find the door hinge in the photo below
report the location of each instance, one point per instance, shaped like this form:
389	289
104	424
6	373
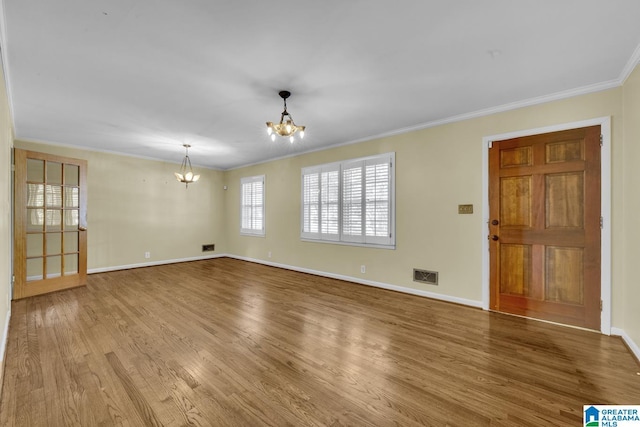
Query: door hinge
600	305
601	223
601	140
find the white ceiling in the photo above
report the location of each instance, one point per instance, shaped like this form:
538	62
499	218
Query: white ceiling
143	77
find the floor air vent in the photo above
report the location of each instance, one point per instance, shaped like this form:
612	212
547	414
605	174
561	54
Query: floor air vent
425	276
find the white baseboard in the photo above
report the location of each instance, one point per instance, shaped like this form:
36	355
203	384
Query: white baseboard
403	289
3	348
152	263
5	337
627	339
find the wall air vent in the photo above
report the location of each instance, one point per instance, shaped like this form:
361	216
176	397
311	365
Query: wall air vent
208	248
425	276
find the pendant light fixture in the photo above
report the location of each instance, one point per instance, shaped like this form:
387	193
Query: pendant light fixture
186	171
286	128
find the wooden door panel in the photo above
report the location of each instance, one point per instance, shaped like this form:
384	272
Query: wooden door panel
565	151
516	157
564	270
515	269
564	202
545	207
515	201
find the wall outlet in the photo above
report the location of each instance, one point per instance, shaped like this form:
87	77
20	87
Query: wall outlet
363	269
147	255
269	254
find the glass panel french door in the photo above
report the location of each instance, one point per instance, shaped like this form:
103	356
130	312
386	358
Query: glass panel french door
50	223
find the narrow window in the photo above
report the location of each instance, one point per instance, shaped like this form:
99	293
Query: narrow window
252	205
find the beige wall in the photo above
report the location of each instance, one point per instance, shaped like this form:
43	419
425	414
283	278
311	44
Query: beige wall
136	206
630	240
437	169
6	141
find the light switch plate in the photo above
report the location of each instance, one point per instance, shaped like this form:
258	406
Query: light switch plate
465	209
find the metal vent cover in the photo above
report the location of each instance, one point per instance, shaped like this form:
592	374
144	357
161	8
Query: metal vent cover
425	276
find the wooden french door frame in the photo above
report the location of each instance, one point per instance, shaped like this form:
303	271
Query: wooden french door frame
49	223
605	183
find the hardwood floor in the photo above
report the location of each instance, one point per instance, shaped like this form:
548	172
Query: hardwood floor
230	343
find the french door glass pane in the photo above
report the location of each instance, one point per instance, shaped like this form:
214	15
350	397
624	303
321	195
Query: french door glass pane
35	245
70	264
54	266
54	243
54	196
54	219
54	173
71	174
35	170
35	219
71	220
35	195
71	198
35	269
71	242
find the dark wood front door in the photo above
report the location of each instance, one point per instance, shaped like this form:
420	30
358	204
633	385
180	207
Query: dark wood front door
544	226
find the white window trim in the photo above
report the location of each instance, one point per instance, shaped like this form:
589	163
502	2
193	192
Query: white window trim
340	239
253	231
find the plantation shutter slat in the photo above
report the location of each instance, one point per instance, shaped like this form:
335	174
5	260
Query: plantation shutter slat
330	202
320	202
352	197
377	203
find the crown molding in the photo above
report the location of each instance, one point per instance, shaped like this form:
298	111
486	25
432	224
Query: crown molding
631	65
4	60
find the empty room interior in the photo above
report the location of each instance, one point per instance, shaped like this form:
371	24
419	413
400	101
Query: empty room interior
446	234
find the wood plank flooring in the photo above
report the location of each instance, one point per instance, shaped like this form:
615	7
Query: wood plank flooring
229	343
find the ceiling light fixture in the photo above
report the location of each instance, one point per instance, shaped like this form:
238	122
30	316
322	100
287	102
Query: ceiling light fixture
285	127
186	171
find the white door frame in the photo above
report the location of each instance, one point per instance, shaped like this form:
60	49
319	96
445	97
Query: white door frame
605	208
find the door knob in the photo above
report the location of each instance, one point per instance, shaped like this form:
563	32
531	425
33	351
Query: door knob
494	238
81	228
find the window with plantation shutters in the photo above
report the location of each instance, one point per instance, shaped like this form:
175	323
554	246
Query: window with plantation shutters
321	202
252	205
350	202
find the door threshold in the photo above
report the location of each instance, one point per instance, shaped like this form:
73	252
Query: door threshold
547	321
